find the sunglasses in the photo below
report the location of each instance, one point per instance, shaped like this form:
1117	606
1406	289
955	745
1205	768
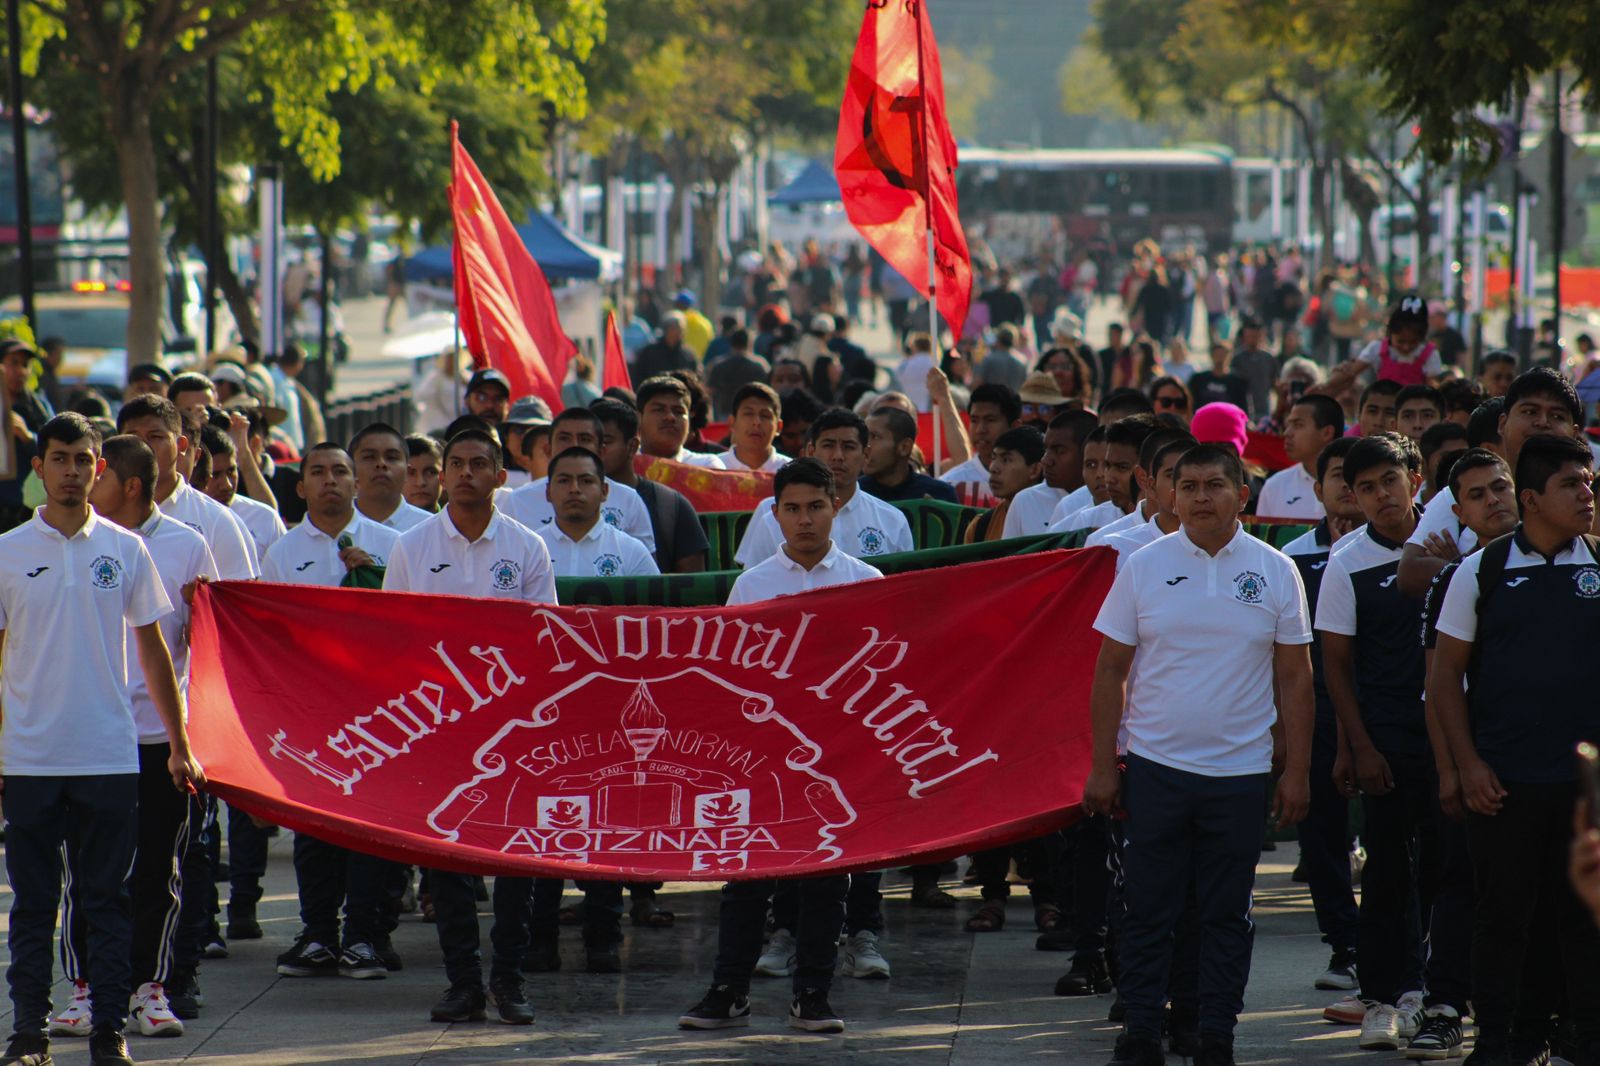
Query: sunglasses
1171	403
1039	410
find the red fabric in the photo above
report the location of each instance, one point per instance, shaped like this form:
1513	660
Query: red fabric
829	731
925	435
895	152
615	373
507	312
708	490
1266	451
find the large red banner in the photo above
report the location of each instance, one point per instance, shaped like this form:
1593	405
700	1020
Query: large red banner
923	715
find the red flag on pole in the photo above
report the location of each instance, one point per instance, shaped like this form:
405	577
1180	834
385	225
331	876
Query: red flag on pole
615	372
896	158
507	312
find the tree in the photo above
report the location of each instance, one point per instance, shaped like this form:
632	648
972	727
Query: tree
296	56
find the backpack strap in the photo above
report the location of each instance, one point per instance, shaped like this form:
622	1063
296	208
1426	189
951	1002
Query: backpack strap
1493	567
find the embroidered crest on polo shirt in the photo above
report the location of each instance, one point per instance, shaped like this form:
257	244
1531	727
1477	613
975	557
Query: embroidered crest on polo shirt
871	541
612	516
1249	587
105	572
608	565
1588	581
505	574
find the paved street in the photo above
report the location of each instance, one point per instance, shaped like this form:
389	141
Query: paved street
956	998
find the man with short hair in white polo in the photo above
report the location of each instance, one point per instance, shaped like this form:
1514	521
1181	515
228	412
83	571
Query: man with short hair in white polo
579	427
581	542
381	457
71	587
1219	624
471	549
864	526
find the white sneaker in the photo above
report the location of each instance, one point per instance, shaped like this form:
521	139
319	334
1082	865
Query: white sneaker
777	958
1409	1013
1380	1031
74	1017
862	957
148	1006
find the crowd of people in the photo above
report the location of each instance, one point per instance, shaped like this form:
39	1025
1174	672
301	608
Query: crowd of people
1386	684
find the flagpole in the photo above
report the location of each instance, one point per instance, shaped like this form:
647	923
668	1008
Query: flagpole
933	275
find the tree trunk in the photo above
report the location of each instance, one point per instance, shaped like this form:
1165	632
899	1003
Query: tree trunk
136	166
710	248
238	299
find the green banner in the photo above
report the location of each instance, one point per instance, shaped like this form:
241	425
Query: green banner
934	524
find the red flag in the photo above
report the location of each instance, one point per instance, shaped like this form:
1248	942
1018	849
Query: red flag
896	158
615	372
824	732
508	315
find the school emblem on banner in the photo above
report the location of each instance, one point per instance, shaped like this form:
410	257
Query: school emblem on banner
1249	587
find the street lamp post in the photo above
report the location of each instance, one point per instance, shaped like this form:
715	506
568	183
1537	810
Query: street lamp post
19	160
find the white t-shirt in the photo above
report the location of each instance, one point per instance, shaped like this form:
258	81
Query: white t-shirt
1200	697
507	562
307	556
232	547
180	556
729	460
705	459
969	471
65	606
865	526
604	551
405	517
1140	515
260	521
1079	499
912	374
623	508
1290	493
779	575
1030	510
1101	514
1439	517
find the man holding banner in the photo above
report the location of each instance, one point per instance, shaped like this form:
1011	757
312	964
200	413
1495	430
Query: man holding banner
1199	720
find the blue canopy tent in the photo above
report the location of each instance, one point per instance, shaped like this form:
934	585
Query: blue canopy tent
560	254
813	185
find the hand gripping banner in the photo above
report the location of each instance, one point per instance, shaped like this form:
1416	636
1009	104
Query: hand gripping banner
924	715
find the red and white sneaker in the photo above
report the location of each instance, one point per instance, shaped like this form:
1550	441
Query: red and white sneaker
148	1007
1351	1010
74	1017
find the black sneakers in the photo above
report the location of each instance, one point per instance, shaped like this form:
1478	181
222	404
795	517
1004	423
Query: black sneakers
542	957
27	1049
1439	1038
1183	1034
1088	976
184	997
384	946
810	1011
242	923
361	962
721	1008
460	1003
509	1002
1138	1051
107	1048
308	957
1214	1051
603	957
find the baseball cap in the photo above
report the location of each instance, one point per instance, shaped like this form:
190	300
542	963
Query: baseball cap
150	372
488	376
684	298
529	411
1221	423
232	373
822	323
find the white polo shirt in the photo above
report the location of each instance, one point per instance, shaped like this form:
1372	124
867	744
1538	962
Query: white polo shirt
232	547
779	575
1439	517
969	471
1200	697
1030	510
685	456
508	562
180	556
307	556
729	460
1079	499
1101	514
260	521
1140	515
1290	493
1131	540
405	517
623	508
604	551
64	677
865	526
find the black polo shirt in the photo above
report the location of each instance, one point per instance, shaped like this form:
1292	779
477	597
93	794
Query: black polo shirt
1309	553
